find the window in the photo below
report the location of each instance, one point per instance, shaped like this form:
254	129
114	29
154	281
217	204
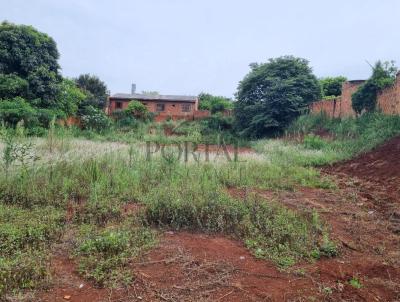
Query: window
160	107
118	105
186	107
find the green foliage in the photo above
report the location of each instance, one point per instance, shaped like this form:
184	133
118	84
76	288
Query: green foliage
355	282
313	142
69	97
137	109
25	238
94	119
44	87
270	230
383	75
12	86
273	94
328	248
30	84
16	148
352	135
17	109
214	103
104	256
24	50
331	86
95	90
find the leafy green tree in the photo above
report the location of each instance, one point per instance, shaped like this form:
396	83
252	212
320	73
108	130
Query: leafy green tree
383	75
69	97
214	103
12	85
32	56
332	86
94	88
23	50
17	109
273	94
44	87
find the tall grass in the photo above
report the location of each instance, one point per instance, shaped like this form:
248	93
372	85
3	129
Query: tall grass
351	135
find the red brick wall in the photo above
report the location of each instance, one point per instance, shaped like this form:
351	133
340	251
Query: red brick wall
388	101
348	89
172	108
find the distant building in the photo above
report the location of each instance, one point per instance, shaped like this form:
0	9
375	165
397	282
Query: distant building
174	106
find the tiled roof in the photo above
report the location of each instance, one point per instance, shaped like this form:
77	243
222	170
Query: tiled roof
156	97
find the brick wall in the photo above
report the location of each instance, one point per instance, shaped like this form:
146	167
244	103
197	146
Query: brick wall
388	101
172	108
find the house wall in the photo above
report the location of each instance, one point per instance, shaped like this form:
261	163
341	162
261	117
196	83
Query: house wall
172	108
388	100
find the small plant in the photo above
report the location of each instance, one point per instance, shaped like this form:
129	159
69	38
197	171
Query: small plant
355	282
16	149
328	248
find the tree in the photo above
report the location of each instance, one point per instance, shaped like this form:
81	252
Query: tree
23	50
273	94
32	56
69	97
332	86
383	75
94	88
214	103
12	85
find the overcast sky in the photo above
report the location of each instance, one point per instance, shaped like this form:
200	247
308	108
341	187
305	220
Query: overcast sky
190	46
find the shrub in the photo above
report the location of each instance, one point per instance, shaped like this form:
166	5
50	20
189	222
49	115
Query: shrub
137	109
94	119
17	109
104	256
383	75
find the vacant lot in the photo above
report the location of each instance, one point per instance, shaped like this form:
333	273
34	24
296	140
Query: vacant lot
84	220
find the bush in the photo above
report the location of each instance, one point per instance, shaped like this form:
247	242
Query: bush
383	75
17	109
94	119
214	103
104	256
137	109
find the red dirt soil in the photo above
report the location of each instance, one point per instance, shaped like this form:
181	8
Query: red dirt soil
361	212
379	170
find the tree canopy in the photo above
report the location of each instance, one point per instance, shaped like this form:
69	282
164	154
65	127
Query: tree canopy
29	55
31	85
332	86
95	89
214	103
383	75
273	94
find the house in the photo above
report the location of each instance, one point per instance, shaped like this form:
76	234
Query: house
173	106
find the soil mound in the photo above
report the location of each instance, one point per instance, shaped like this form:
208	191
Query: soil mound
378	169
